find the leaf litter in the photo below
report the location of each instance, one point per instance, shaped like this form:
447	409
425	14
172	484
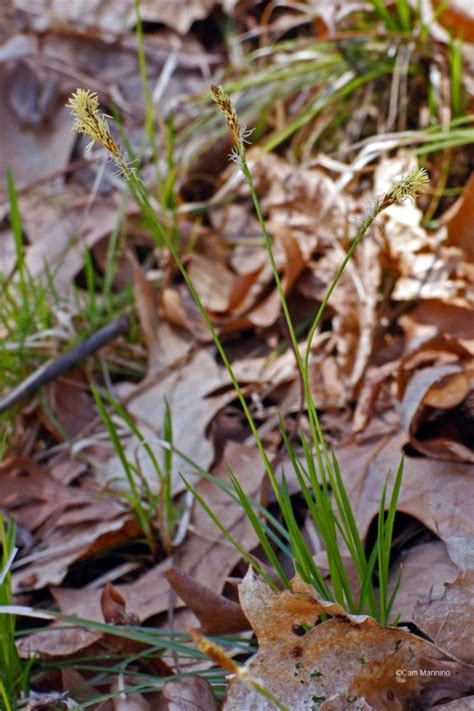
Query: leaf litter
391	370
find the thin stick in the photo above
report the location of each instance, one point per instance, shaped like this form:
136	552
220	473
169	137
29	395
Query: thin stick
54	368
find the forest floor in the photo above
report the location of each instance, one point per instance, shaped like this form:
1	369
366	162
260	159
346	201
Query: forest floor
219	489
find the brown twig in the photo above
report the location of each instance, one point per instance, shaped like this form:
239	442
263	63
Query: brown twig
54	368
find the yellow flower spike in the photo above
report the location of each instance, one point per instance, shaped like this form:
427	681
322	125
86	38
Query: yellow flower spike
407	188
218	656
214	652
88	120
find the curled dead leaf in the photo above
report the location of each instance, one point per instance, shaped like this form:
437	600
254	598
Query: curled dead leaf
114	609
217	614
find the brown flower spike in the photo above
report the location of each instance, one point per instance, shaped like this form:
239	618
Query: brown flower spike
230	114
238	133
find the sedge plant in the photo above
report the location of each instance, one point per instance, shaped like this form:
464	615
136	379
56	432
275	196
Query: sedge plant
319	476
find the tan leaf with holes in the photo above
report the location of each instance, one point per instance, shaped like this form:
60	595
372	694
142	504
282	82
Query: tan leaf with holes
343	661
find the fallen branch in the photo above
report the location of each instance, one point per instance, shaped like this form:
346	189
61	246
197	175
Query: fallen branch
52	369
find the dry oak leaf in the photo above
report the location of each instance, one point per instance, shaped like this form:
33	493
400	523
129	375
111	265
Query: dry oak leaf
344	663
31	151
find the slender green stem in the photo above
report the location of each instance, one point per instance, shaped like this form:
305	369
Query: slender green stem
350	252
139	193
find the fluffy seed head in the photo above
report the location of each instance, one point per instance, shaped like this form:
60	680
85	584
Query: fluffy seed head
88	120
408	187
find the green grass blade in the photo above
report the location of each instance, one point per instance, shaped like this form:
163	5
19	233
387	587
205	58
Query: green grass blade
259	529
246	556
17	230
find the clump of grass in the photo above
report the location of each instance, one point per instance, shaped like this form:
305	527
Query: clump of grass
35	323
321	481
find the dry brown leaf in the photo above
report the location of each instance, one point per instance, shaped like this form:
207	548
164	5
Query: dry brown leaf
147	596
459	220
50	564
217	614
171	345
426	569
448	392
41	147
436	412
77	685
302	209
265	313
113	17
342	661
69	523
60	227
18	46
191	694
428	268
114	608
449	620
144	598
374	378
146	302
354	304
433	491
128	702
71	404
438	317
465	704
29	490
178	307
458	18
205	554
57	641
304	201
213	281
418	387
39	700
